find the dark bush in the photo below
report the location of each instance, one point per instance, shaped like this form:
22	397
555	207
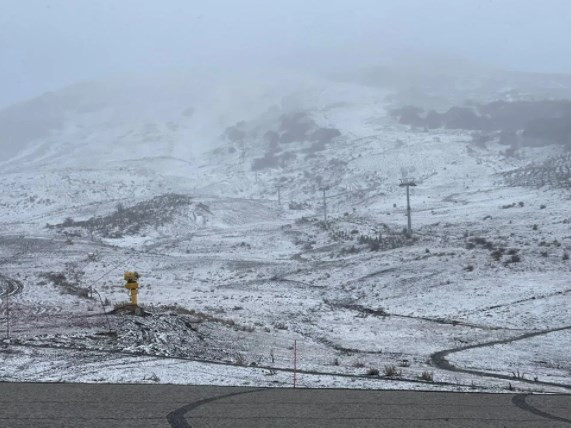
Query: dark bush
463	118
497	255
427	376
433	120
374	246
409	115
324	135
296	125
392	371
315	147
373	372
541	122
288	137
272	138
235	134
268	161
286	157
515	258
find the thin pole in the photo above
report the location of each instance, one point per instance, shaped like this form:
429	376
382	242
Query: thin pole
294	363
324	207
408	209
8	316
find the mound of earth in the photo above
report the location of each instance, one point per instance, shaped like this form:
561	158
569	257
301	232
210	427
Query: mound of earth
140	219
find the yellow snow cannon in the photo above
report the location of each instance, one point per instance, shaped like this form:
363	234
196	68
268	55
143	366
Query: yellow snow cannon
132	285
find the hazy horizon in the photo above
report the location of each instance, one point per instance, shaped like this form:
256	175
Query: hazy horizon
47	45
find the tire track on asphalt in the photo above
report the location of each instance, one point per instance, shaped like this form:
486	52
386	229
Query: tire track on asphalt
439	360
177	418
521	402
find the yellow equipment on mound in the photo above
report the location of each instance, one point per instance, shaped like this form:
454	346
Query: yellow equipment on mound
132	285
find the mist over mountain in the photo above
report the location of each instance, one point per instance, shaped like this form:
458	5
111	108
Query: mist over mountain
381	185
184	113
172	114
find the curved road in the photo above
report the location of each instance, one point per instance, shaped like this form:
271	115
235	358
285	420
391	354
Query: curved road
439	358
98	405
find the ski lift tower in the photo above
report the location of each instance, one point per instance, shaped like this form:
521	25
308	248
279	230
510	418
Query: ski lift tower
408	183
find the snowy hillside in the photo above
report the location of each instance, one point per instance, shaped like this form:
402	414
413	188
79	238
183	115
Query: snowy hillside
215	195
134	117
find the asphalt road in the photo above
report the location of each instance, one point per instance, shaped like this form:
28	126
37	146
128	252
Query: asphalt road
96	405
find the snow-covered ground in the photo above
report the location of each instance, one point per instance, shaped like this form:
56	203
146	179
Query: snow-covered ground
232	279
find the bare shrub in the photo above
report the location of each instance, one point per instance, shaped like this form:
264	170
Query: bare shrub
154	378
427	376
240	361
249	328
497	254
391	370
280	325
518	375
372	372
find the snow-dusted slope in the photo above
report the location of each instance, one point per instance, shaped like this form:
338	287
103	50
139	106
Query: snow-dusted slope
180	181
123	118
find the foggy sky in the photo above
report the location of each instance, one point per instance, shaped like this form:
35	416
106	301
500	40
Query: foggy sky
47	44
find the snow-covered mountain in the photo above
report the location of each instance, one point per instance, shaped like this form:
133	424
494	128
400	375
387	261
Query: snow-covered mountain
123	118
185	113
268	209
